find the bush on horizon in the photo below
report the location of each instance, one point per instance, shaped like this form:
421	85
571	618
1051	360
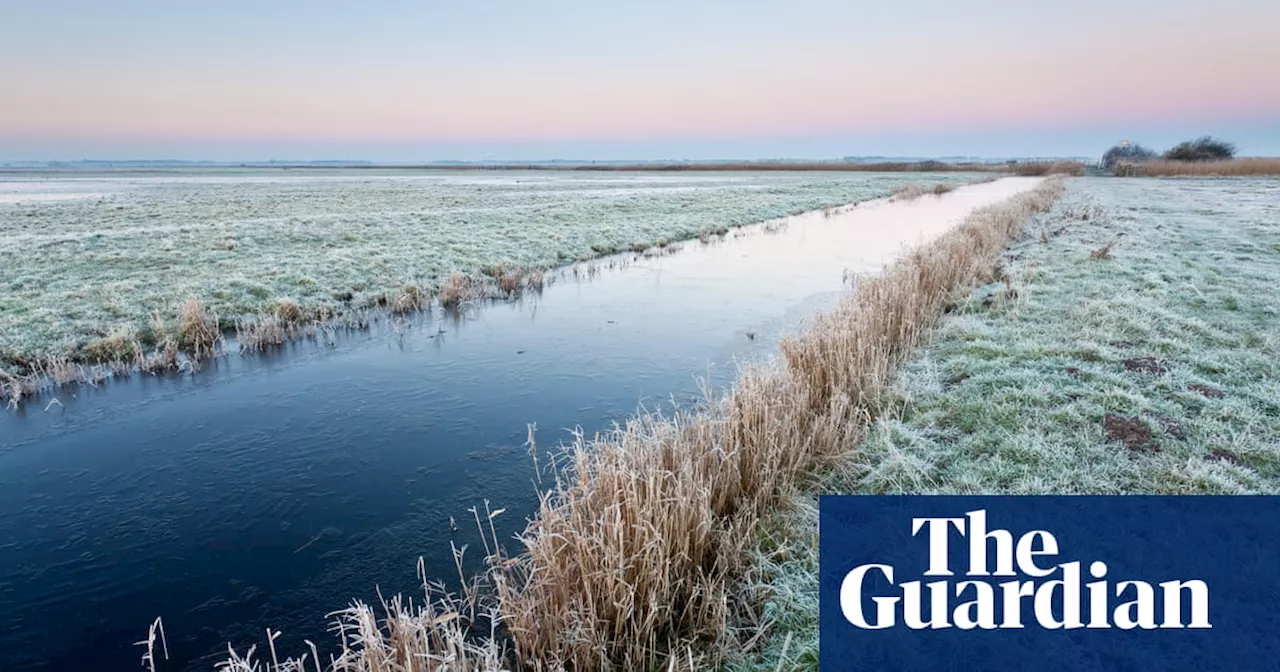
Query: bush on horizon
1134	153
1204	148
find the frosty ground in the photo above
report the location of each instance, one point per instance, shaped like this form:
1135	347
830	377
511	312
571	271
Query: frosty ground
76	270
1134	349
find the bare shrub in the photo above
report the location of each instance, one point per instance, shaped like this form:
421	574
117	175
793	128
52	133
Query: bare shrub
1205	148
1132	153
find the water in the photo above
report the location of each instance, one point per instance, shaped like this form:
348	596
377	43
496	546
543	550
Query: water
269	490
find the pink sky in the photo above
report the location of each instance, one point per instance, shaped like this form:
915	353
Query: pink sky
579	72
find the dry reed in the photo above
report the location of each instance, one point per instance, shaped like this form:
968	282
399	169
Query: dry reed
198	330
912	190
436	635
908	192
410	299
456	289
1233	167
164	358
1041	168
120	345
289	312
253	336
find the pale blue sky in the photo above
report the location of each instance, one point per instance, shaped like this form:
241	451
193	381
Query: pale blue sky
407	81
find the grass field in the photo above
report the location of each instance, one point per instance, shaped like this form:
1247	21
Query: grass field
249	243
1134	349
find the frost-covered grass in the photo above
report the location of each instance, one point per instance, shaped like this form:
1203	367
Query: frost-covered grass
76	271
1013	394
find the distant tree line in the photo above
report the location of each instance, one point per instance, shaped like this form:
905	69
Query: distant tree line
1205	148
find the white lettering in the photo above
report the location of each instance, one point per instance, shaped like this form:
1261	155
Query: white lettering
851	598
938	565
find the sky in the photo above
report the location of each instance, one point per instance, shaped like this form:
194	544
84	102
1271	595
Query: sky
422	80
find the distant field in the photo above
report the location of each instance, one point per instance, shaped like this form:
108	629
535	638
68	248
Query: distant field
85	254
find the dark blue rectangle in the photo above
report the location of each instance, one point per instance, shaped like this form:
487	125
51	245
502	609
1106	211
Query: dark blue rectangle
1231	544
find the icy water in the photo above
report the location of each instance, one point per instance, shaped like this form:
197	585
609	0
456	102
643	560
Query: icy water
268	490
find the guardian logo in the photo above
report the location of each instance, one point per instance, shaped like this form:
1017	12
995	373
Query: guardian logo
1053	603
1049	583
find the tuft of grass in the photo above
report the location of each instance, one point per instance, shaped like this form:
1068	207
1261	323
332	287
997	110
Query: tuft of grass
121	345
289	312
1103	252
456	289
257	335
163	358
199	332
510	282
411	298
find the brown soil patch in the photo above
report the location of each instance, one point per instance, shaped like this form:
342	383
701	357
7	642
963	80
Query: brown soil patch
1224	455
1072	371
1171	427
1147	365
1210	392
1132	432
